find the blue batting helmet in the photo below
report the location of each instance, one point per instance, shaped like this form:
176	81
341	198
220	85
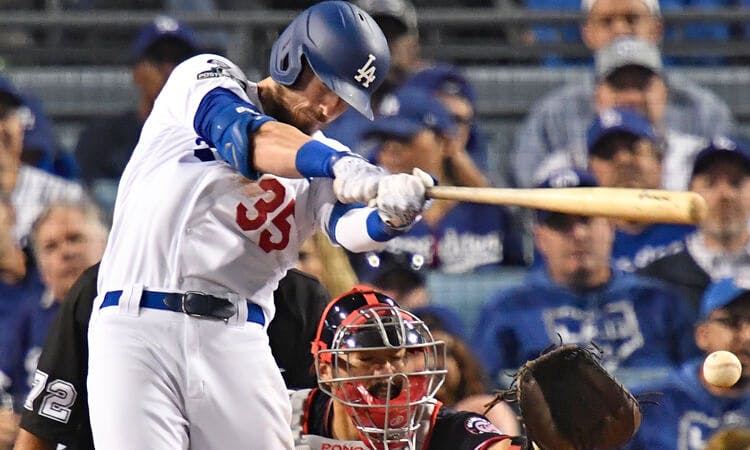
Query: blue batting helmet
344	47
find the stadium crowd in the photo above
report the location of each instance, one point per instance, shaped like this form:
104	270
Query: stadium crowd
656	298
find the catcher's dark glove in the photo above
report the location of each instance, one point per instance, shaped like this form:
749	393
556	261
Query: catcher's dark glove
569	402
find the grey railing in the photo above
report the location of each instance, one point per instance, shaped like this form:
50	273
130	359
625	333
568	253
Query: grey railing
478	36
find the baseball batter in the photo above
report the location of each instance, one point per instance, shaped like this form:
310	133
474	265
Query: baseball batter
224	185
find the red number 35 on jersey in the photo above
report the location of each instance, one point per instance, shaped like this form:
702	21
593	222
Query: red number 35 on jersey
264	208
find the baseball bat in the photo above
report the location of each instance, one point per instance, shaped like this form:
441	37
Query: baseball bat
636	205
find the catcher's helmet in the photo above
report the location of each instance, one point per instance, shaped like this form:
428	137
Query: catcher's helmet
385	366
344	47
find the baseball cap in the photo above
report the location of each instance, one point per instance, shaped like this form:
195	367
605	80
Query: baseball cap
162	27
652	5
443	79
38	134
614	120
627	51
723	292
409	111
569	177
721	147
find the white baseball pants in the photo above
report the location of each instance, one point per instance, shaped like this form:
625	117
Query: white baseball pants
163	380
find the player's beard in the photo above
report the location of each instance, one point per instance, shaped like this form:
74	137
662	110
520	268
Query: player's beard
379	390
303	118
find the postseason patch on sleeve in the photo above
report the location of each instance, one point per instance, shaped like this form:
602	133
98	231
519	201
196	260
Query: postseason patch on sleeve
480	425
222	69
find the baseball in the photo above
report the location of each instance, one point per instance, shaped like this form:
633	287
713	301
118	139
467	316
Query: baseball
722	369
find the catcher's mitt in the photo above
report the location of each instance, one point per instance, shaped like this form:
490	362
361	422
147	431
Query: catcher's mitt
569	402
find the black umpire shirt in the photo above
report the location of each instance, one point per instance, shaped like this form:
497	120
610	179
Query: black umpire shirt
300	300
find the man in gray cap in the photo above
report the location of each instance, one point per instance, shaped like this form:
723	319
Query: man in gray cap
559	120
630	74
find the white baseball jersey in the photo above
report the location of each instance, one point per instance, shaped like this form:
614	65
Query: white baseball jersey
183	224
186	220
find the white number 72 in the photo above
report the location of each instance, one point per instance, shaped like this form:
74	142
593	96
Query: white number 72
57	403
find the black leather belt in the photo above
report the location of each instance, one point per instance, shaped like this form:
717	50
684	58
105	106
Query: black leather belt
195	304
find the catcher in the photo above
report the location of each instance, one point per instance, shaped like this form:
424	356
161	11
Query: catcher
379	367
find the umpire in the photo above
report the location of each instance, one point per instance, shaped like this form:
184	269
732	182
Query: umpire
300	299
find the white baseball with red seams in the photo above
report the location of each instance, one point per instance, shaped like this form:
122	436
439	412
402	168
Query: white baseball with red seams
722	369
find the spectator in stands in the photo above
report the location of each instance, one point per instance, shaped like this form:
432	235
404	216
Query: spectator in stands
629	74
12	258
104	147
67	238
19	280
40	148
398	20
30	189
719	248
454	237
466	148
577	297
559	120
690	409
624	152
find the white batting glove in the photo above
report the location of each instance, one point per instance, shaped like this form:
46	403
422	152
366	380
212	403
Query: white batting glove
355	179
402	198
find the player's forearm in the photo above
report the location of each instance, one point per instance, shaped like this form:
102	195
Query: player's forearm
346	229
28	441
283	150
275	146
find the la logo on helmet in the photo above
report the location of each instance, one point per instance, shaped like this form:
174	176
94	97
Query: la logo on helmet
366	74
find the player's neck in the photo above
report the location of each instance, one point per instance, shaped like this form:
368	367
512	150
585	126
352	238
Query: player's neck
343	428
270	95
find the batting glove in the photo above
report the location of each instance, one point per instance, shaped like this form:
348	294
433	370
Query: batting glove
355	179
402	198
